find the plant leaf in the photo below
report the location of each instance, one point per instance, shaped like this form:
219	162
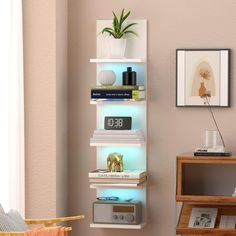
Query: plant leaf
127	27
116	30
116	24
109	31
105	29
121	17
129	32
125	17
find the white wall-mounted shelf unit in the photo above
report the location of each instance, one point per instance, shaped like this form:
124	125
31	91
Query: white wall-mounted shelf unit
134	154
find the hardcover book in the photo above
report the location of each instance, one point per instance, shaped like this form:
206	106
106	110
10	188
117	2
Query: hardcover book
113	136
219	154
119	87
126	174
118	132
116	99
120	181
117	94
203	218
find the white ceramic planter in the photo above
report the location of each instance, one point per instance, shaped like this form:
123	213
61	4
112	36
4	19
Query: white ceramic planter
106	77
117	47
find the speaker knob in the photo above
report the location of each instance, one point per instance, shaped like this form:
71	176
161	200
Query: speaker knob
115	217
121	217
129	218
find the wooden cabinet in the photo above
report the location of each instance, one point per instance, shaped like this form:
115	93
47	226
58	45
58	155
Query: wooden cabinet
205	182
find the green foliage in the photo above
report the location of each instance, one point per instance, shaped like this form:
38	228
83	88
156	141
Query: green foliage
117	30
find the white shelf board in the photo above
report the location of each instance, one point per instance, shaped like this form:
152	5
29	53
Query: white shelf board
118	144
117	60
97	102
117	185
117	226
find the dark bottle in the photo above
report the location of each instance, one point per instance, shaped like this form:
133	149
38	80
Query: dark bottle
129	77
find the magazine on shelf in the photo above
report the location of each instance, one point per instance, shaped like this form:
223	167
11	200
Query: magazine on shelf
203	218
126	174
227	222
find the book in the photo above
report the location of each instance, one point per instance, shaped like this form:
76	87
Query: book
116	100
120	87
219	154
114	136
117	94
116	141
126	174
114	185
117	132
227	222
114	180
203	218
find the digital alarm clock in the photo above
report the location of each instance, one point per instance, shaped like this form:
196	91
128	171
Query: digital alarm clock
117	212
118	123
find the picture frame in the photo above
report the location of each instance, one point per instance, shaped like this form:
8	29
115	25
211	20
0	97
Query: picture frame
200	72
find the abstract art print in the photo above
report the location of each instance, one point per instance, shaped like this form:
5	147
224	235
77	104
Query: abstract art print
201	72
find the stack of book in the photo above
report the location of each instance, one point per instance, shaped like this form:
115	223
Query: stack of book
117	136
126	92
125	177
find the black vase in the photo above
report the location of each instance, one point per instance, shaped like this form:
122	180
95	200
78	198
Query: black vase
129	77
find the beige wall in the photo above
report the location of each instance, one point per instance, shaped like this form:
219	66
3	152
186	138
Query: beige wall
171	25
45	60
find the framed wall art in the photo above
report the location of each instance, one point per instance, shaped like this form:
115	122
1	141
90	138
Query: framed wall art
200	72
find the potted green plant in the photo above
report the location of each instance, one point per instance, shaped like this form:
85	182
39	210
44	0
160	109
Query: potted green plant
117	33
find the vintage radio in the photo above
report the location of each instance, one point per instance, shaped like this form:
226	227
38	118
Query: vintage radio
117	212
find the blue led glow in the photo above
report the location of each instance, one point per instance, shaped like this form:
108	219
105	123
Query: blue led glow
133	157
118	68
123	194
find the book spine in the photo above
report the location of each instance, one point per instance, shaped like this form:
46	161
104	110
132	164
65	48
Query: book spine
125	87
114	175
117	94
110	136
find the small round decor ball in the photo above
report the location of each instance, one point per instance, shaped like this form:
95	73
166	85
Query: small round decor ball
106	77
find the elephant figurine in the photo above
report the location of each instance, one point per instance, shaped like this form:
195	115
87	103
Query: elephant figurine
115	162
